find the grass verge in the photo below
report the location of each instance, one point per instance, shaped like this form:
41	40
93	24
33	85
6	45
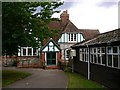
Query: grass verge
75	80
10	76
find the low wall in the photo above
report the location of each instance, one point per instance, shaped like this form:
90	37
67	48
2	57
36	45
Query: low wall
30	61
9	61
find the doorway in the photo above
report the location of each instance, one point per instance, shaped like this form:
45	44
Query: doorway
51	58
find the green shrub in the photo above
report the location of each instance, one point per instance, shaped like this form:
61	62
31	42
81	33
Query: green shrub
68	69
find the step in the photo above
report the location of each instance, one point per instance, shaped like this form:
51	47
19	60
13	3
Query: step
52	67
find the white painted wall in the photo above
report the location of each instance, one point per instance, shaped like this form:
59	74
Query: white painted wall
64	38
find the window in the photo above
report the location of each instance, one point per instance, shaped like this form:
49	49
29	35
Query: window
24	51
67	53
99	58
115	60
95	58
34	51
109	50
97	55
69	36
72	37
115	50
103	59
28	51
113	56
84	54
109	60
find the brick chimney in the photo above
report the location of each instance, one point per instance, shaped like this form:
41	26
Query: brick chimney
64	16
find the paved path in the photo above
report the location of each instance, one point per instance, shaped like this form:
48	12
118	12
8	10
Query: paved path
41	79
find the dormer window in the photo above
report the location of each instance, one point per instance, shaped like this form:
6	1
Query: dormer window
72	37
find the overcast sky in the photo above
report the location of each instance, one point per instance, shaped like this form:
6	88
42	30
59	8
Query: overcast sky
92	14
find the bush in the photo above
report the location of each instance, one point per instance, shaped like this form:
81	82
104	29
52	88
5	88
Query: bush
64	66
68	69
14	63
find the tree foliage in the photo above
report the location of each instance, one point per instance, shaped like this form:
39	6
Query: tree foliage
22	25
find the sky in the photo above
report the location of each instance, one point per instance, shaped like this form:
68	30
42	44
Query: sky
92	14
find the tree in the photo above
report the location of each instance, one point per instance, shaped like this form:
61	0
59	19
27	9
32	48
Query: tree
22	25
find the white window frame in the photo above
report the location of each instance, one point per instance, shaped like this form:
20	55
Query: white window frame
72	35
118	54
85	53
26	48
96	53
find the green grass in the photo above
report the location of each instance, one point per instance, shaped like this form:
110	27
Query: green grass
10	76
75	80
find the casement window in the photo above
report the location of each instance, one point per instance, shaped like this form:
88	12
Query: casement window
84	54
72	37
113	56
97	55
28	51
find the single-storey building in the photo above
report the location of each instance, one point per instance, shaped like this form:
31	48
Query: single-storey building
99	58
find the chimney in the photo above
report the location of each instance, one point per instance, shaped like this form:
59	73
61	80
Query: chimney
64	16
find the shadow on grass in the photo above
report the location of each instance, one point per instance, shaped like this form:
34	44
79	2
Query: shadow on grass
10	76
75	80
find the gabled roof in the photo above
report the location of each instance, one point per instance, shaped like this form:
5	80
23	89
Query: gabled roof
50	40
66	26
56	25
70	27
89	33
108	37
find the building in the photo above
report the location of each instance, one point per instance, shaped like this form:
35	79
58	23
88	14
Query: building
68	35
99	58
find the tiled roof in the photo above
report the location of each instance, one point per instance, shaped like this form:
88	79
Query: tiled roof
55	25
70	27
107	37
89	33
66	26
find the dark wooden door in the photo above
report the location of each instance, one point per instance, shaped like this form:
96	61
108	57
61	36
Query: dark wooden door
51	58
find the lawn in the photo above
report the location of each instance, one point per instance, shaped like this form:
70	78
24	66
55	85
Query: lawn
75	80
10	76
